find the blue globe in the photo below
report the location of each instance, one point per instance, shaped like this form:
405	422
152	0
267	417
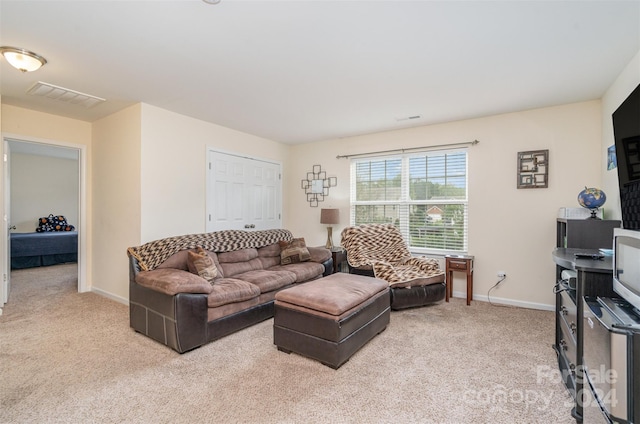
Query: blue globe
592	198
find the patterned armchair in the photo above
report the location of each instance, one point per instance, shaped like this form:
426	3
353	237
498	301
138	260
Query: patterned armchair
379	250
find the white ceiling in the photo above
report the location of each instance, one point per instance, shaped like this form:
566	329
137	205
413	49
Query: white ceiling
301	71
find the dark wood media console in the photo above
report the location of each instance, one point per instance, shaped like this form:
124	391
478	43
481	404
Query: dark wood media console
593	277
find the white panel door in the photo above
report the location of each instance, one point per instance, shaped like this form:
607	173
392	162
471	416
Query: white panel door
264	204
242	193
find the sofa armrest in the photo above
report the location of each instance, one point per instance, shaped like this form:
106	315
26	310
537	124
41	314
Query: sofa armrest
328	267
319	254
175	320
178	321
323	256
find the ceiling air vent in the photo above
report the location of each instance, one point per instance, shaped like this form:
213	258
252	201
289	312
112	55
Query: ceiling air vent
64	94
408	118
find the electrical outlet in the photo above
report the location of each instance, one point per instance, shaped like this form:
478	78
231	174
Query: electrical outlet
502	274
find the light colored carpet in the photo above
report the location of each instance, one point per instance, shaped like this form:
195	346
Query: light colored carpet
72	358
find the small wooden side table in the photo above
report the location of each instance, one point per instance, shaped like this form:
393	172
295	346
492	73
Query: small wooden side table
339	255
461	263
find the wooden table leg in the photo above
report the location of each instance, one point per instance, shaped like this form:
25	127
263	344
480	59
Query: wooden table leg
469	287
447	286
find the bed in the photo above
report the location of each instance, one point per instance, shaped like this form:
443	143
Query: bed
30	250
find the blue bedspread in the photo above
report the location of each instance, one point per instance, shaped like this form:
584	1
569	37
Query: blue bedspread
41	249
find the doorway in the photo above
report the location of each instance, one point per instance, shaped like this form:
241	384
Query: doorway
28	146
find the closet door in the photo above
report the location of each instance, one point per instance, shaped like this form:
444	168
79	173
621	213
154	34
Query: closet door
263	202
242	193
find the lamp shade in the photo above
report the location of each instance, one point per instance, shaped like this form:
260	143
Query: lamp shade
329	216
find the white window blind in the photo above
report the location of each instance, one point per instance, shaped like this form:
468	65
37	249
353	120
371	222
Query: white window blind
424	194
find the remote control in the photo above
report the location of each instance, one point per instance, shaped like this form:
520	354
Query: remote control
593	256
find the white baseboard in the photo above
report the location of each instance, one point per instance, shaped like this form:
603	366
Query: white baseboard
462	295
504	301
111	296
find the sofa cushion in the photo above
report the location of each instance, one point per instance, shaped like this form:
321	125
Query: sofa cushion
200	263
180	261
231	290
231	269
172	281
270	255
294	251
241	255
269	261
268	280
304	271
176	261
270	251
230	309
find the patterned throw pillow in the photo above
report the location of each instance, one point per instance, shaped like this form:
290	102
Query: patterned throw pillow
200	263
54	223
293	251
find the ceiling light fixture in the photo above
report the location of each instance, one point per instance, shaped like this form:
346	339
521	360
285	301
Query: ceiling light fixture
22	59
212	1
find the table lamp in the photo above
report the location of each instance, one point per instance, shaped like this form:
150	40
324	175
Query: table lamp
329	216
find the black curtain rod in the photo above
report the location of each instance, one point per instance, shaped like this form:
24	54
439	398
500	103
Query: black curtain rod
409	149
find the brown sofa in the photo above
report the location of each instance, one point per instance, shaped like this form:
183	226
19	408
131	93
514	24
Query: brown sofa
182	310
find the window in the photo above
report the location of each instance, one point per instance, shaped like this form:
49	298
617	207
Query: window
424	194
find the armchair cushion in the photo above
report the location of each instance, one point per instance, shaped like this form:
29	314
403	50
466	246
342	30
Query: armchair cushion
368	243
381	247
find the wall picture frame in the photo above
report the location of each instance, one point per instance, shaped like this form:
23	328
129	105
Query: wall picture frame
316	185
533	169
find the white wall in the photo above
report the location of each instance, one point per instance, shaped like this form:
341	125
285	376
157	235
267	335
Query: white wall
626	82
42	185
509	229
173	169
116	199
26	124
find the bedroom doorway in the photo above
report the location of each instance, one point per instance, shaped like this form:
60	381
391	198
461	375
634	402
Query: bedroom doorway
42	149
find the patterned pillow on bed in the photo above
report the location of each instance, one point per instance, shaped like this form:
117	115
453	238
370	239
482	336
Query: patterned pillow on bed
54	223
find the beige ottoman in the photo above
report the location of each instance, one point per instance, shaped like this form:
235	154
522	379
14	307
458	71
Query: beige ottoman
331	318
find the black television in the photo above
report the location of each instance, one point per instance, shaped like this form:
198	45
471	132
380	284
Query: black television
626	131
